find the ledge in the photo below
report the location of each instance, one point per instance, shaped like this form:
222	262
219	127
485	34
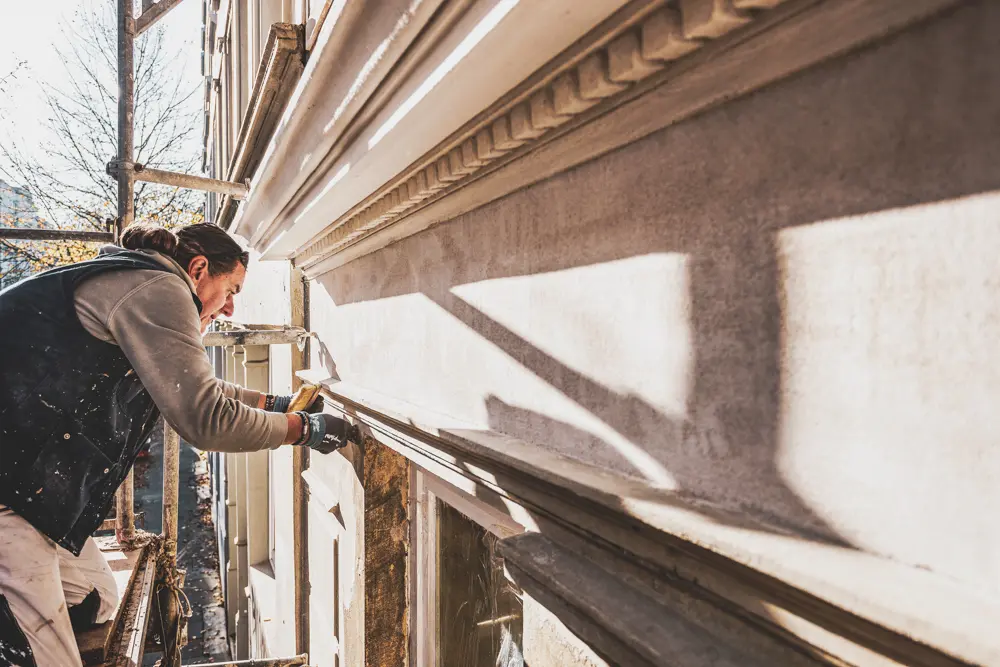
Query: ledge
472	139
381	89
835	600
279	71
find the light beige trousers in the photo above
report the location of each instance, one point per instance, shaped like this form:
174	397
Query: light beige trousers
41	580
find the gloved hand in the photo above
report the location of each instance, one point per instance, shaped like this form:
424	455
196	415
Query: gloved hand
274	403
326	433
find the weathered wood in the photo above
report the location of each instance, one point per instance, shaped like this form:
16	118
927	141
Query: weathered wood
125	510
111	523
151	13
127	638
245	337
386	483
18	234
259	662
126	113
167	602
191	181
299	303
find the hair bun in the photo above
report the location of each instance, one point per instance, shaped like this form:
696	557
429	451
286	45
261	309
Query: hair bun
142	236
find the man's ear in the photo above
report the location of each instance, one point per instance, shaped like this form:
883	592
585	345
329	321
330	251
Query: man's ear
198	268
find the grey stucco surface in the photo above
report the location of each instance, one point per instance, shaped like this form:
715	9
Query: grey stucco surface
785	306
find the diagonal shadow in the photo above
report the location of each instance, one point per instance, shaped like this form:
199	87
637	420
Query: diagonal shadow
669	440
908	122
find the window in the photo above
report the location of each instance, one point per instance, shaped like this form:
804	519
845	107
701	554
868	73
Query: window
466	609
479	608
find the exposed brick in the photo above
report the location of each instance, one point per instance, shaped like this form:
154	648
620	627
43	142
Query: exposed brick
386	489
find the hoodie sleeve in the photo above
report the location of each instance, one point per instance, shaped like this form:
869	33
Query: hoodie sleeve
157	326
242	394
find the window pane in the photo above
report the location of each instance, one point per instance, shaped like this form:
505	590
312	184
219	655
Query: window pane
479	621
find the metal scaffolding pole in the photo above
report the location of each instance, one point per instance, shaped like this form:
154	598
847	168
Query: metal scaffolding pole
150	175
169	603
126	113
171	477
55	235
126	99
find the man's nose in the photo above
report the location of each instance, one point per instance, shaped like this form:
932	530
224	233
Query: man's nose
229	308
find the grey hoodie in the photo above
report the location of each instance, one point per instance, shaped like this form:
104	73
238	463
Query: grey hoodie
151	316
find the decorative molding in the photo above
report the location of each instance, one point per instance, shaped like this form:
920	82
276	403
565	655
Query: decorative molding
600	109
627	54
794	601
621	622
312	108
280	67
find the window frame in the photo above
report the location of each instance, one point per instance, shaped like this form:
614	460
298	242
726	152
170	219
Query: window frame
425	492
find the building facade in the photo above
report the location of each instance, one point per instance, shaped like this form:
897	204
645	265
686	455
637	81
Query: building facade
17	210
668	322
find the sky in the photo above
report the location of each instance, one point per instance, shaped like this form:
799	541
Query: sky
27	33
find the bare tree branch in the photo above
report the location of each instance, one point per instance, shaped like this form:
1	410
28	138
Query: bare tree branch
66	174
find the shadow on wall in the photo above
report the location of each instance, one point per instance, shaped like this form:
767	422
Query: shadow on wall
909	122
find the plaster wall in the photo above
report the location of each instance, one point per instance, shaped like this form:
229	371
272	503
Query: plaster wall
785	306
265	299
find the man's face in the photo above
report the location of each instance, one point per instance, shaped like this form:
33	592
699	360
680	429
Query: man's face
216	292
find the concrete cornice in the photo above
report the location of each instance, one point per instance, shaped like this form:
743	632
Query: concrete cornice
648	66
383	88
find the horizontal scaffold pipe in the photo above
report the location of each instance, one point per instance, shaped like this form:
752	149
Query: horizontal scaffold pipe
283	336
17	234
262	662
150	175
151	13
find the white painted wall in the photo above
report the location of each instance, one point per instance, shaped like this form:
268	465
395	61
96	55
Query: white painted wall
783	306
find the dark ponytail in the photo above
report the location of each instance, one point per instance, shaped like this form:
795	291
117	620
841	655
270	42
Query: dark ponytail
186	243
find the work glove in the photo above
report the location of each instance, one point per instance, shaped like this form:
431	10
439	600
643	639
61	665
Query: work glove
326	433
274	403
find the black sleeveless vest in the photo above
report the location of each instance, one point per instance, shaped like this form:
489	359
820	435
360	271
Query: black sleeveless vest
73	412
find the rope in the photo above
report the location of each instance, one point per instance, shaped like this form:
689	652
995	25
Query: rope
171	584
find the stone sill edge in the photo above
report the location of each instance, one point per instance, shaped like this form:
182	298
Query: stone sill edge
913	613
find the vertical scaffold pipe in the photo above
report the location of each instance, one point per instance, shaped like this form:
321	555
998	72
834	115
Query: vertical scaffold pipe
168	593
171	474
126	114
125	524
125	509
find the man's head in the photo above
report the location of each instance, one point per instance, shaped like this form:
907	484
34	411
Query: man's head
216	264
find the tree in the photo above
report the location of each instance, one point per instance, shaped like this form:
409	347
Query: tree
66	174
8	77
